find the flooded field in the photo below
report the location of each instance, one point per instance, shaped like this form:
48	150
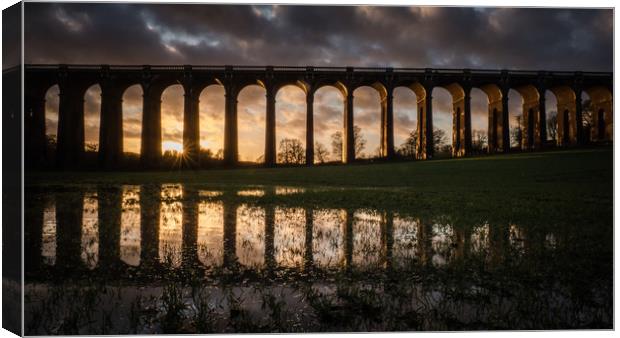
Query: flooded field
175	258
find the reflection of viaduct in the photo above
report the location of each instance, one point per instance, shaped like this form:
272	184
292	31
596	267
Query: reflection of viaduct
114	80
373	245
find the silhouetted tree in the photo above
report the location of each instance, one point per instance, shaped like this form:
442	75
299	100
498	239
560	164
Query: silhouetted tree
587	119
516	134
92	147
439	139
320	152
291	151
479	141
50	142
359	140
219	155
408	148
337	145
552	125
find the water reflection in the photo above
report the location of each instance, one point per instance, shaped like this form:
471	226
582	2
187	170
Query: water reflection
171	225
250	235
130	226
211	233
405	241
480	239
289	236
368	251
90	231
289	190
174	226
251	192
48	244
328	227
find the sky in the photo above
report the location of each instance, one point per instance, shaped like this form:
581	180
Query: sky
362	36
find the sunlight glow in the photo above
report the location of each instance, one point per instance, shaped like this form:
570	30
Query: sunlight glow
171	145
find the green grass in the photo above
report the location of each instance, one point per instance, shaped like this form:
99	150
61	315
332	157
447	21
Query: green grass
523	182
521	171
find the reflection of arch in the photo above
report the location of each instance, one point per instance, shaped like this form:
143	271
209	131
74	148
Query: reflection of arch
601	106
567	118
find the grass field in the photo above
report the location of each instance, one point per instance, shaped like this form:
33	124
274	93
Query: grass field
577	179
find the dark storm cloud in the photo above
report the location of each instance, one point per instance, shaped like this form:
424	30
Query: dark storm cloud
300	35
552	39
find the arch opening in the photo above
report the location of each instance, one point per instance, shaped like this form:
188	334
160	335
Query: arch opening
598	114
367	122
92	118
443	134
251	115
211	108
515	117
52	105
405	122
291	125
328	125
482	120
132	122
172	108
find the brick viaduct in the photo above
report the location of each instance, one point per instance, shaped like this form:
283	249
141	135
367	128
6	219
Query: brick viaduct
74	80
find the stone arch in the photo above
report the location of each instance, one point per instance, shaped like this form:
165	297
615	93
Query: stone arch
172	108
344	90
290	121
211	121
496	119
303	85
132	115
52	104
566	104
329	109
481	119
531	117
367	117
460	137
602	113
251	122
92	118
405	121
515	118
423	106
